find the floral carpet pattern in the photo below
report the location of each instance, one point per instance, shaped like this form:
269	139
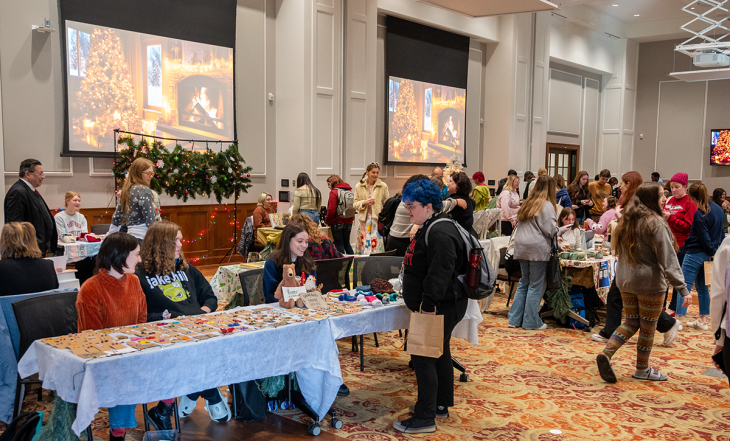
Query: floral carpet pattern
523	384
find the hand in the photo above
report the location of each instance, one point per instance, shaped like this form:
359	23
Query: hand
618	210
118	194
166	314
666	215
567	226
205	308
717	350
687	301
461	203
513	222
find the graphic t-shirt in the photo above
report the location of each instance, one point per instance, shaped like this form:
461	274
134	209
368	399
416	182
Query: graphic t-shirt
181	292
681	213
70	224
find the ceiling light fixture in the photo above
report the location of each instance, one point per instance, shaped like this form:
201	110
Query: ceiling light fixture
614	5
636	15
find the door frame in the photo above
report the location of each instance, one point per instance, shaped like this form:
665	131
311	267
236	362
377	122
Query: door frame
568	148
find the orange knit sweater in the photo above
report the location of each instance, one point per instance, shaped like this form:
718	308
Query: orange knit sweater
107	302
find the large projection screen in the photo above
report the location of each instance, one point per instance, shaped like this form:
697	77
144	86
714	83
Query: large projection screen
155	67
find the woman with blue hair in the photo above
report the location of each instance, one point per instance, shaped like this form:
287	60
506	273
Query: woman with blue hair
430	286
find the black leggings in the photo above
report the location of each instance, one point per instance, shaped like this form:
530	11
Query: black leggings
506	228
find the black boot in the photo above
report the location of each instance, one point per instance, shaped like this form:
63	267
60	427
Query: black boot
159	416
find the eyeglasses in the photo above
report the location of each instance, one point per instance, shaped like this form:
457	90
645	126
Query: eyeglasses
410	207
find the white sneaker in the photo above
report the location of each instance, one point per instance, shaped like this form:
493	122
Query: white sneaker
544	326
186	406
599	338
699	325
680	327
219	412
671	335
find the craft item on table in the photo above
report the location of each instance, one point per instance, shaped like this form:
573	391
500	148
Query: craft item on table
289	280
363	302
363	288
381	286
346	298
397	284
313	299
385	300
275	220
68	238
252	265
361	297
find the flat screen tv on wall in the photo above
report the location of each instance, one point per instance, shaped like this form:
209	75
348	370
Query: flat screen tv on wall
720	147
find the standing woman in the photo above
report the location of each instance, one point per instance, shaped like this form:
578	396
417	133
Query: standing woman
704	239
578	192
459	187
307	198
480	193
370	195
646	258
719	197
563	199
430	285
113	298
139	205
538	220
340	226
509	202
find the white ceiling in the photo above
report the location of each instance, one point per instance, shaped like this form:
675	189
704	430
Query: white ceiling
485	8
648	10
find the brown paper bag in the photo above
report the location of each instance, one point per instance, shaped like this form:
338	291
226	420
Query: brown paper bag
426	335
708	273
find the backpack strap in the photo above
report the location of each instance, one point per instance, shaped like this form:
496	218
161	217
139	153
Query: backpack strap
443	219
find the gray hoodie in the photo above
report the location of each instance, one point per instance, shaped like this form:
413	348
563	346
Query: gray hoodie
648	275
533	237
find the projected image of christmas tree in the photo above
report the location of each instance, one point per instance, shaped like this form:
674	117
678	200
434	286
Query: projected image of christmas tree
106	99
404	129
720	154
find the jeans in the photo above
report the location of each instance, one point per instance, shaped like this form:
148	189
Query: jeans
614	307
435	376
122	416
673	302
313	214
526	304
693	268
341	235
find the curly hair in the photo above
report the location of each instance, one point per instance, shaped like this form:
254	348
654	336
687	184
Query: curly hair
305	221
463	183
425	192
158	249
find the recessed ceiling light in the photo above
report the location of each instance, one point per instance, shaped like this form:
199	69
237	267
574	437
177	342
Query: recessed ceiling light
636	15
614	5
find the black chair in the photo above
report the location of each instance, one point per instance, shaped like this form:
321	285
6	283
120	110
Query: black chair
100	228
252	283
364	270
45	316
334	273
511	279
385	253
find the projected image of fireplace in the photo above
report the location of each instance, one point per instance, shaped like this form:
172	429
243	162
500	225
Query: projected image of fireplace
201	104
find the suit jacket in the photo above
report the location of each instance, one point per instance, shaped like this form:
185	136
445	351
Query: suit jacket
23	205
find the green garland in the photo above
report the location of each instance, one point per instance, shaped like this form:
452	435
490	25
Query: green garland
559	299
185	173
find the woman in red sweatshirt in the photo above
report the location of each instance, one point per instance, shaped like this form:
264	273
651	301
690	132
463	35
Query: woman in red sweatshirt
341	195
679	211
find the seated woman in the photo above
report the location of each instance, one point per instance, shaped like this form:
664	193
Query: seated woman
292	249
262	211
570	239
601	227
112	298
22	268
320	246
70	221
173	288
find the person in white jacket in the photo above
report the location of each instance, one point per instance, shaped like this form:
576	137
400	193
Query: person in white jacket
719	290
571	237
509	203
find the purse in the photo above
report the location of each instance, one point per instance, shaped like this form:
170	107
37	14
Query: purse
554	278
510	265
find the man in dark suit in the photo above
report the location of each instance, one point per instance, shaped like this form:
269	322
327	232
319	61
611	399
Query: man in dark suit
23	203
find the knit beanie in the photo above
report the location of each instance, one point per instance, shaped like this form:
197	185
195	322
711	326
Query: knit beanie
680	178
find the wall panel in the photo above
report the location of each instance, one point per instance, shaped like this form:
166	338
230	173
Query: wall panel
565	102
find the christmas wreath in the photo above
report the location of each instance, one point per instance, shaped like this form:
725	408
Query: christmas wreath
186	173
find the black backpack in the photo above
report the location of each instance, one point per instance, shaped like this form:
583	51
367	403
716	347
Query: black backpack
23	427
387	214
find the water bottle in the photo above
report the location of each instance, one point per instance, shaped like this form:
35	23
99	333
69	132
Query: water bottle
474	270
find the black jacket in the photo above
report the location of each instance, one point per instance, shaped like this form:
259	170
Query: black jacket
464	216
26	275
23	205
429	273
181	293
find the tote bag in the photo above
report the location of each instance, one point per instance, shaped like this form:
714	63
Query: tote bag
554	279
370	240
426	335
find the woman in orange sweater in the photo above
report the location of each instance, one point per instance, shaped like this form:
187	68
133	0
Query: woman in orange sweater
114	297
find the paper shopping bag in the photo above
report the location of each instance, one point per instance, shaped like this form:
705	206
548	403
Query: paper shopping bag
426	335
708	273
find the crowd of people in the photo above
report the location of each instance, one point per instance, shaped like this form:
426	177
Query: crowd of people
661	236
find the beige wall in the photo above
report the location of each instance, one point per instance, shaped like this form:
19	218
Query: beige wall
675	118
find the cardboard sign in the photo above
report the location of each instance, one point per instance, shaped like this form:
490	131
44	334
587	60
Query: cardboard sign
313	300
293	292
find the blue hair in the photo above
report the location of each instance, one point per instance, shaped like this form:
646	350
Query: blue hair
425	192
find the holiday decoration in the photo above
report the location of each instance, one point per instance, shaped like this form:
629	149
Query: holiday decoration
453	165
406	134
720	148
186	173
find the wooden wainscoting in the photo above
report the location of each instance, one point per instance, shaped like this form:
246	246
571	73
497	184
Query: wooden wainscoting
207	229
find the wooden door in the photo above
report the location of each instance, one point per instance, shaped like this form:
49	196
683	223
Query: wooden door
562	159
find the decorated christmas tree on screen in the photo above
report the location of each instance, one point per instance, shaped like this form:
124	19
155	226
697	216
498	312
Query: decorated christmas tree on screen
405	131
106	98
721	151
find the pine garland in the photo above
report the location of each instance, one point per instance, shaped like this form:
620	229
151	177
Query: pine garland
559	299
185	173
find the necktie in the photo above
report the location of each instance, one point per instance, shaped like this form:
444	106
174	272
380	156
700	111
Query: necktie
36	192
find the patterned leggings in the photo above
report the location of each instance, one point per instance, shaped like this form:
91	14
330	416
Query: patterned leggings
641	314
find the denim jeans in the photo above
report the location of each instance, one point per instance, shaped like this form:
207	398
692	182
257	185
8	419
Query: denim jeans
526	304
313	214
122	416
693	268
341	235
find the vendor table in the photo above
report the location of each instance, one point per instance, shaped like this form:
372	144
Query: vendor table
265	235
80	250
592	273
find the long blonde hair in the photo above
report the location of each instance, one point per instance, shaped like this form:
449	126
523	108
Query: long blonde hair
135	177
544	191
158	249
508	185
19	240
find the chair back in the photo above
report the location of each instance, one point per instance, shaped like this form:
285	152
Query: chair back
49	315
252	283
100	228
334	273
385	253
365	269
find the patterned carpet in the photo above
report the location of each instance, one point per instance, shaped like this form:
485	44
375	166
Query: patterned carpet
525	383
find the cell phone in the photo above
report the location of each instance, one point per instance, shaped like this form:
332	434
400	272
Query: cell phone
719	359
568	225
